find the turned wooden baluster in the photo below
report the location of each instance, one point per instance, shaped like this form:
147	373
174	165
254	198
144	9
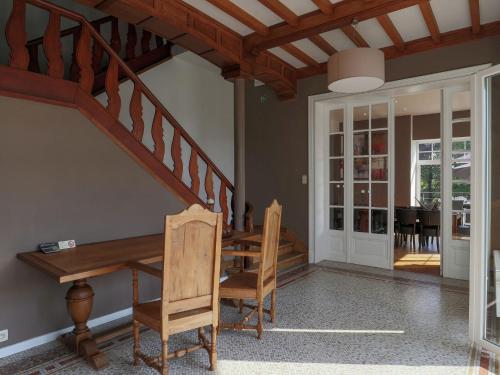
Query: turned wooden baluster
84	61
131	42
176	153
136	113
34	66
159	41
146	37
74	70
112	88
15	32
193	171
97	52
223	202
157	134
209	186
52	46
115	43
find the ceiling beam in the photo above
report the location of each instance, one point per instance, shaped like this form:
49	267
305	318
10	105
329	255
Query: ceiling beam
430	20
299	54
421	45
323	44
324	5
245	18
317	22
355	37
475	16
281	11
391	31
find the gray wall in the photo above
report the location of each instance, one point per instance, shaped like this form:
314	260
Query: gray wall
63	179
276	130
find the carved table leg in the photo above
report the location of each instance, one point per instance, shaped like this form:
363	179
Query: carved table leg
79	300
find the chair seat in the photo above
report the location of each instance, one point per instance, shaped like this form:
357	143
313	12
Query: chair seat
242	285
149	314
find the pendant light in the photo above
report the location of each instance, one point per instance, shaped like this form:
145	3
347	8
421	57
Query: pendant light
356	70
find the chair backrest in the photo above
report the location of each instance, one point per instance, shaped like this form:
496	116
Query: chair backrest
457	205
191	262
406	216
270	243
430	218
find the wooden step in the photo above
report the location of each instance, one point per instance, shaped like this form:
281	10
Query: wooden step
285	248
290	260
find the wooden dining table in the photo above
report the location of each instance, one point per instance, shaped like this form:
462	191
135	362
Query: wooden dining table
79	264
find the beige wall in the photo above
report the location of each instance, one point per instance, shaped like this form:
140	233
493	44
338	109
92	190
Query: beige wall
276	131
64	179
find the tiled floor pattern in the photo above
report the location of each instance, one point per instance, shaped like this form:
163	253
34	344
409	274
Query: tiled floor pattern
332	321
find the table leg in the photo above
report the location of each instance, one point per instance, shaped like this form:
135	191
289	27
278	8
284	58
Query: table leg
79	299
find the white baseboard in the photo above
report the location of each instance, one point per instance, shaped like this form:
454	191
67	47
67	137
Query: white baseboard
43	339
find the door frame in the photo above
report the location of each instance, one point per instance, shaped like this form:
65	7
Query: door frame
479	213
318	106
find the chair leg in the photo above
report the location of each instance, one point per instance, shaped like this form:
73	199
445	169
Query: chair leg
260	309
273	305
213	349
137	343
240	306
164	358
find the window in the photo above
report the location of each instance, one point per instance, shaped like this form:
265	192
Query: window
428	181
428	169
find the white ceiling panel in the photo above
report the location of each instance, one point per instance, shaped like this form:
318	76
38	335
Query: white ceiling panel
220	16
410	23
374	34
282	54
259	11
309	48
338	40
489	11
451	17
299	7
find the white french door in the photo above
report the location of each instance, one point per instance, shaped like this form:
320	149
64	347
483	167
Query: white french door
369	193
360	182
485	257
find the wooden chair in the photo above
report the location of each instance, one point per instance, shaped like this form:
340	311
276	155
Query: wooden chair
256	286
190	286
430	226
407	218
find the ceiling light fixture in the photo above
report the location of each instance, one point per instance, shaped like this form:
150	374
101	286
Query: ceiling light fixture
356	70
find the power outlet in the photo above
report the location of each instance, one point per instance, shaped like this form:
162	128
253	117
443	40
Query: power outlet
4	335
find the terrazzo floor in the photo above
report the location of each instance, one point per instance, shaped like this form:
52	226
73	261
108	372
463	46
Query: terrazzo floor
332	321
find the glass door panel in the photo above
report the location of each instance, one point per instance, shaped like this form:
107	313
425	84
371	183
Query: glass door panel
337	159
461	166
370	168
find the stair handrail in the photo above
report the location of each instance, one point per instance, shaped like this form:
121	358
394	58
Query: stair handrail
133	77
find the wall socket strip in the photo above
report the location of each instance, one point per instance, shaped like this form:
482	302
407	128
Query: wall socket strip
4	335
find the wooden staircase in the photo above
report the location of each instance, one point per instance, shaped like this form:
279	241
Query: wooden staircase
96	66
292	252
92	58
153	50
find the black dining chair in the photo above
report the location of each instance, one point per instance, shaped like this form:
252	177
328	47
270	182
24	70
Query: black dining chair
430	226
407	219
